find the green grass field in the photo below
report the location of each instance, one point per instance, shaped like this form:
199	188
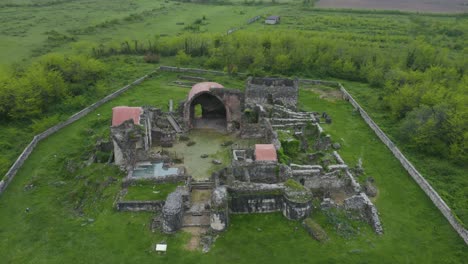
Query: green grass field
149	191
71	218
71	25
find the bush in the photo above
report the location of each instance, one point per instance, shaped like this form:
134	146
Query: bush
151	57
290	147
294	185
283	158
40	125
182	59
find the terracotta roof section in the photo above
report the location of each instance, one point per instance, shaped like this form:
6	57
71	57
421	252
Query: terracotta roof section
202	87
265	152
121	114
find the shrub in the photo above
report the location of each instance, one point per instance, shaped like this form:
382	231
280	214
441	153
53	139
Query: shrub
151	57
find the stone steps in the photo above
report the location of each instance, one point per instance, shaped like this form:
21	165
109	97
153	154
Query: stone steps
202	185
194	219
174	124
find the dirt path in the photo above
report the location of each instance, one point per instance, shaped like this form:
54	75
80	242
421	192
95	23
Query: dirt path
196	234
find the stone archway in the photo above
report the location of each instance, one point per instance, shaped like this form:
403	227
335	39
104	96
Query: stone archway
213	112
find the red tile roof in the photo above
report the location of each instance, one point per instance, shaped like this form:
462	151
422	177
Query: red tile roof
202	87
265	152
121	114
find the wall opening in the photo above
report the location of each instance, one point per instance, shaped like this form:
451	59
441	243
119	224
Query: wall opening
207	111
197	111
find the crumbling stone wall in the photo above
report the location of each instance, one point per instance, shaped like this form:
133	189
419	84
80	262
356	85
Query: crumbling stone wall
173	212
272	91
255	198
266	198
294	210
360	203
219	218
128	139
234	102
254	130
261	172
325	182
139	206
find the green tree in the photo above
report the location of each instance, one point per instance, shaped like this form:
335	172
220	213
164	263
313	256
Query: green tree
182	59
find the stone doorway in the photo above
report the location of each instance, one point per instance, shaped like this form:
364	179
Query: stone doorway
208	112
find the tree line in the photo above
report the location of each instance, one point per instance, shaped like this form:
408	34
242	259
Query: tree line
425	86
53	84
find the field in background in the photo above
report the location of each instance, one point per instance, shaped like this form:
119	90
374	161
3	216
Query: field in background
437	6
29	30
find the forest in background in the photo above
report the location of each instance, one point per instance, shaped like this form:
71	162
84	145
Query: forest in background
425	86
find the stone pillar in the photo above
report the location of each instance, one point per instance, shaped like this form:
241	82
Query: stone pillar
173	212
297	204
219	217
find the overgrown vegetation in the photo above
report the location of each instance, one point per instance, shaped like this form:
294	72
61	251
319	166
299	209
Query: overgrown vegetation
55	84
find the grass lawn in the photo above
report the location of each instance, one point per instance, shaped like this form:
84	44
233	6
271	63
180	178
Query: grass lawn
72	220
150	191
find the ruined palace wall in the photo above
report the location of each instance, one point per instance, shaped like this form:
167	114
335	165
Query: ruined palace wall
425	186
255	200
27	151
256	203
140	206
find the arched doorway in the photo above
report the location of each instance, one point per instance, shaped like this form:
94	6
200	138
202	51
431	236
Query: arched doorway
207	111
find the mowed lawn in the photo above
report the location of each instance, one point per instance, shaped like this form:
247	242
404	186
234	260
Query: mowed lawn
55	231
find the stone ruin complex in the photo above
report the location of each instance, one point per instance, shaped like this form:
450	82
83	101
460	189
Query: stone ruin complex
257	180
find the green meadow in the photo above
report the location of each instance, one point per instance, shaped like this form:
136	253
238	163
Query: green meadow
396	64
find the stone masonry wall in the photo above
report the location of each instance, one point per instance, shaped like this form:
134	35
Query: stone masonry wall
173	212
140	206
